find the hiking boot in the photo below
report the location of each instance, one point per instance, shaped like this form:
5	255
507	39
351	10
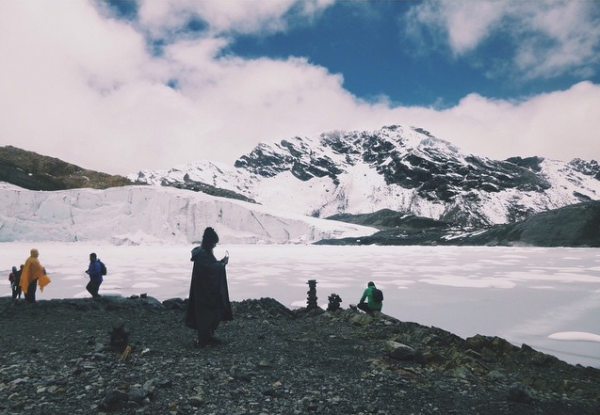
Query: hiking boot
199	344
214	340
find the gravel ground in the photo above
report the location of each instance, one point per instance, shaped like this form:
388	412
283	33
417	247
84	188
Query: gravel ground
56	358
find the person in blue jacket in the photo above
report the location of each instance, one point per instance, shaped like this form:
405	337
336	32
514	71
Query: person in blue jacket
95	273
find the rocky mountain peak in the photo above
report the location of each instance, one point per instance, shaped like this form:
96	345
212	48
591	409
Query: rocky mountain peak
589	168
332	153
404	169
410	158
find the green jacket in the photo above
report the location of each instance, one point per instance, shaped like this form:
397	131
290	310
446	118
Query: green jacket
373	305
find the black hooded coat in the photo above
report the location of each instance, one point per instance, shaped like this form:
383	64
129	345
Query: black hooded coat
208	302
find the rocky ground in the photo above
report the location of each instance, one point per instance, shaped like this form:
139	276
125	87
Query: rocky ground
56	358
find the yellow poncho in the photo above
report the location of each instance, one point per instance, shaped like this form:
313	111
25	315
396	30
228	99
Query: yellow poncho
33	270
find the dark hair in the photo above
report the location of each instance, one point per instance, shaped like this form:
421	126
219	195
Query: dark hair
371	284
93	255
210	238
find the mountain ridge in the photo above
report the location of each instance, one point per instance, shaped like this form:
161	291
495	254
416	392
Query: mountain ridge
34	171
405	184
575	225
397	168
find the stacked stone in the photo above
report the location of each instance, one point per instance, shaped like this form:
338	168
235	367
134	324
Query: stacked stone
334	302
311	302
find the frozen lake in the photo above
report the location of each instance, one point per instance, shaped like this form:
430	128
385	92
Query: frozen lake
548	298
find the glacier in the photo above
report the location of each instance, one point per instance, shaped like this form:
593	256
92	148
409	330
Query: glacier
133	215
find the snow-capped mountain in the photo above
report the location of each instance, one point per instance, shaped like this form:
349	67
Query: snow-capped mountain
399	168
148	214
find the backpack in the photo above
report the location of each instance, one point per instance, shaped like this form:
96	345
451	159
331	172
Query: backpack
103	270
377	295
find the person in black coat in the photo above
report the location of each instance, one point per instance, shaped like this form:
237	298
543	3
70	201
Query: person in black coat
208	302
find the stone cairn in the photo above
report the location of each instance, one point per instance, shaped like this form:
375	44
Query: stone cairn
334	302
311	302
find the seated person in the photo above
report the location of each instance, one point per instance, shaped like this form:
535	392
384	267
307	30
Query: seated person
372	304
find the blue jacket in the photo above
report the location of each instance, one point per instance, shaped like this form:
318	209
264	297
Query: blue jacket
94	271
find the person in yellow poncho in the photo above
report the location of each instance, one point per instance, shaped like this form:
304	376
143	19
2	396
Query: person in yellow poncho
33	274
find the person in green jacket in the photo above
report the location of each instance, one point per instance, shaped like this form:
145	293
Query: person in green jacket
371	305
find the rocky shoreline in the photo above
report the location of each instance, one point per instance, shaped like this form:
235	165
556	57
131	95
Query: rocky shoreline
56	357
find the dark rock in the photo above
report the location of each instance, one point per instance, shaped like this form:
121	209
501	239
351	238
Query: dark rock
273	360
174	304
114	400
520	393
402	352
137	395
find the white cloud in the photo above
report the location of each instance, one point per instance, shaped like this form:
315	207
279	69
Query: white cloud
63	65
560	125
82	87
248	16
547	39
562	37
463	25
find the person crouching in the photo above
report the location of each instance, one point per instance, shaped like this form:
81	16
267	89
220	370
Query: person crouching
372	304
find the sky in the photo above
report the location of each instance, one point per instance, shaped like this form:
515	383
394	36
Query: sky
124	86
